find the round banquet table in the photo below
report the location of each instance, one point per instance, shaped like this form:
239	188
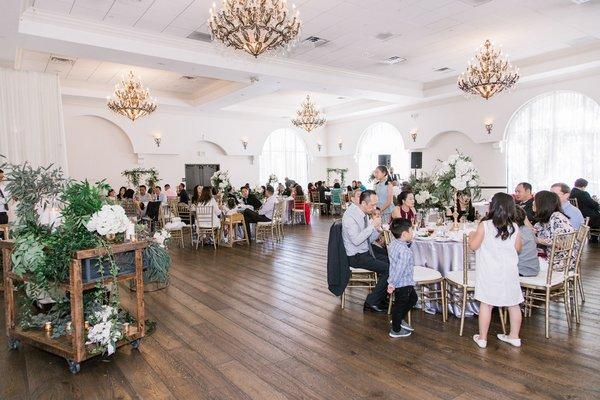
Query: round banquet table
288	214
443	257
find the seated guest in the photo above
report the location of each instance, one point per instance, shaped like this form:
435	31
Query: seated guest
183	194
355	200
406	187
358	232
121	194
111	195
143	195
551	219
159	195
265	212
524	198
400	280
587	205
170	193
206	199
406	207
348	189
361	186
354	185
298	193
465	207
529	264
336	194
321	189
563	192
196	194
280	189
287	191
250	199
131	206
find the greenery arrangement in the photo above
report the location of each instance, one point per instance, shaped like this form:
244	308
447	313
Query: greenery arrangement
457	175
341	171
425	191
136	176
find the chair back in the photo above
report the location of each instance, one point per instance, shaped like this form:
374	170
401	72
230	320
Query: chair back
468	259
387	236
314	197
336	196
153	210
560	259
580	239
573	201
129	207
204	217
299	202
278	211
183	212
172	203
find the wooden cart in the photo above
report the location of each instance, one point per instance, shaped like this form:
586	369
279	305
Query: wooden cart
72	347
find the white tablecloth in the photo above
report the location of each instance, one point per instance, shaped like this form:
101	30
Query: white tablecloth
443	257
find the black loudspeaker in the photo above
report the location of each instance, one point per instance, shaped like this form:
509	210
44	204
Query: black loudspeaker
416	160
385	159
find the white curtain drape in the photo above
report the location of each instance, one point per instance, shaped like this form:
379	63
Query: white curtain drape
31	119
554	138
284	154
379	139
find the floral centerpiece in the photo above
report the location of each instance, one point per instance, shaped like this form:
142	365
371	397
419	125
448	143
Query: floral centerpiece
457	174
220	180
110	220
272	180
425	190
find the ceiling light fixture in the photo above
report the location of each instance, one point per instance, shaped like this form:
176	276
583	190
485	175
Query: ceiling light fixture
308	117
131	99
254	26
488	73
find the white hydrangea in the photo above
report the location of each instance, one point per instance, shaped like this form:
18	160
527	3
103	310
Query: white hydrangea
110	220
453	159
161	236
422	197
458	183
444	168
102	332
462	167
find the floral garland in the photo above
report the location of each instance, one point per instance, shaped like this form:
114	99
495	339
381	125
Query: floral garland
341	171
457	174
134	176
220	180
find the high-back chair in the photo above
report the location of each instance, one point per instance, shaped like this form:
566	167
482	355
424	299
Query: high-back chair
336	200
273	228
429	285
298	209
553	284
315	201
574	276
460	285
574	201
205	225
176	232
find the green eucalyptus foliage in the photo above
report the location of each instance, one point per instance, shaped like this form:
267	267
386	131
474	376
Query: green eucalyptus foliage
158	261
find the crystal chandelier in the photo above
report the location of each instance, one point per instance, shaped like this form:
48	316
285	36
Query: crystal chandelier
254	26
308	117
131	99
489	73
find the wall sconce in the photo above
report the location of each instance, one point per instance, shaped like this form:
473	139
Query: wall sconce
488	128
340	144
245	143
157	138
414	134
319	146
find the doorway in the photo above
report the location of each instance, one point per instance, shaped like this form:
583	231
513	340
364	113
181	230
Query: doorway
199	174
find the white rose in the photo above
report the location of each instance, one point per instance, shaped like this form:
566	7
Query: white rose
473	183
458	183
444	168
453	159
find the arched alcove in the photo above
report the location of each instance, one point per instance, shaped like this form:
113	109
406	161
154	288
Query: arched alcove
381	138
554	137
98	149
284	154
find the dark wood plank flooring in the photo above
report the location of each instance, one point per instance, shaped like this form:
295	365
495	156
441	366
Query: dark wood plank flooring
259	323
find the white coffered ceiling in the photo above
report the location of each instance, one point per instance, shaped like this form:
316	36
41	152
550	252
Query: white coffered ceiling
543	37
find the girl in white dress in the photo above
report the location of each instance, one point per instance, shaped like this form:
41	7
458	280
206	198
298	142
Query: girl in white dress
497	242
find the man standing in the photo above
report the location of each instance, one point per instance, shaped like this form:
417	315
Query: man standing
564	192
250	199
588	206
265	212
358	232
3	200
524	198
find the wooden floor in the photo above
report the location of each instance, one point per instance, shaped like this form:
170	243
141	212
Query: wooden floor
259	323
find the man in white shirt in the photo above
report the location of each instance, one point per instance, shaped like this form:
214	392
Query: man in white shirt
3	200
358	232
265	213
159	195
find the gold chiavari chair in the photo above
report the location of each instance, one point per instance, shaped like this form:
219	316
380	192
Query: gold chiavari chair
176	233
460	285
185	213
273	228
426	285
552	284
205	225
232	222
574	276
298	209
316	201
573	201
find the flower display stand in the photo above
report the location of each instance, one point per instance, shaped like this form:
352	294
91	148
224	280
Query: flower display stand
72	347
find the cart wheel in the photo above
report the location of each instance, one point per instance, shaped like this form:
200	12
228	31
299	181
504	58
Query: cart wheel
14	344
136	343
74	367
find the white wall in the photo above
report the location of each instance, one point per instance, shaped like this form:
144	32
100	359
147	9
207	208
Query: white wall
112	144
465	118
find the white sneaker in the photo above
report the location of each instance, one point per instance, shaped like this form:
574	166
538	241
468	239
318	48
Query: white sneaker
480	342
406	325
505	338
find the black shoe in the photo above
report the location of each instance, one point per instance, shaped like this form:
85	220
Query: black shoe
372	308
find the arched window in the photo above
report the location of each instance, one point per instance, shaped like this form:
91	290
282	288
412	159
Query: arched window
284	154
554	138
381	139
